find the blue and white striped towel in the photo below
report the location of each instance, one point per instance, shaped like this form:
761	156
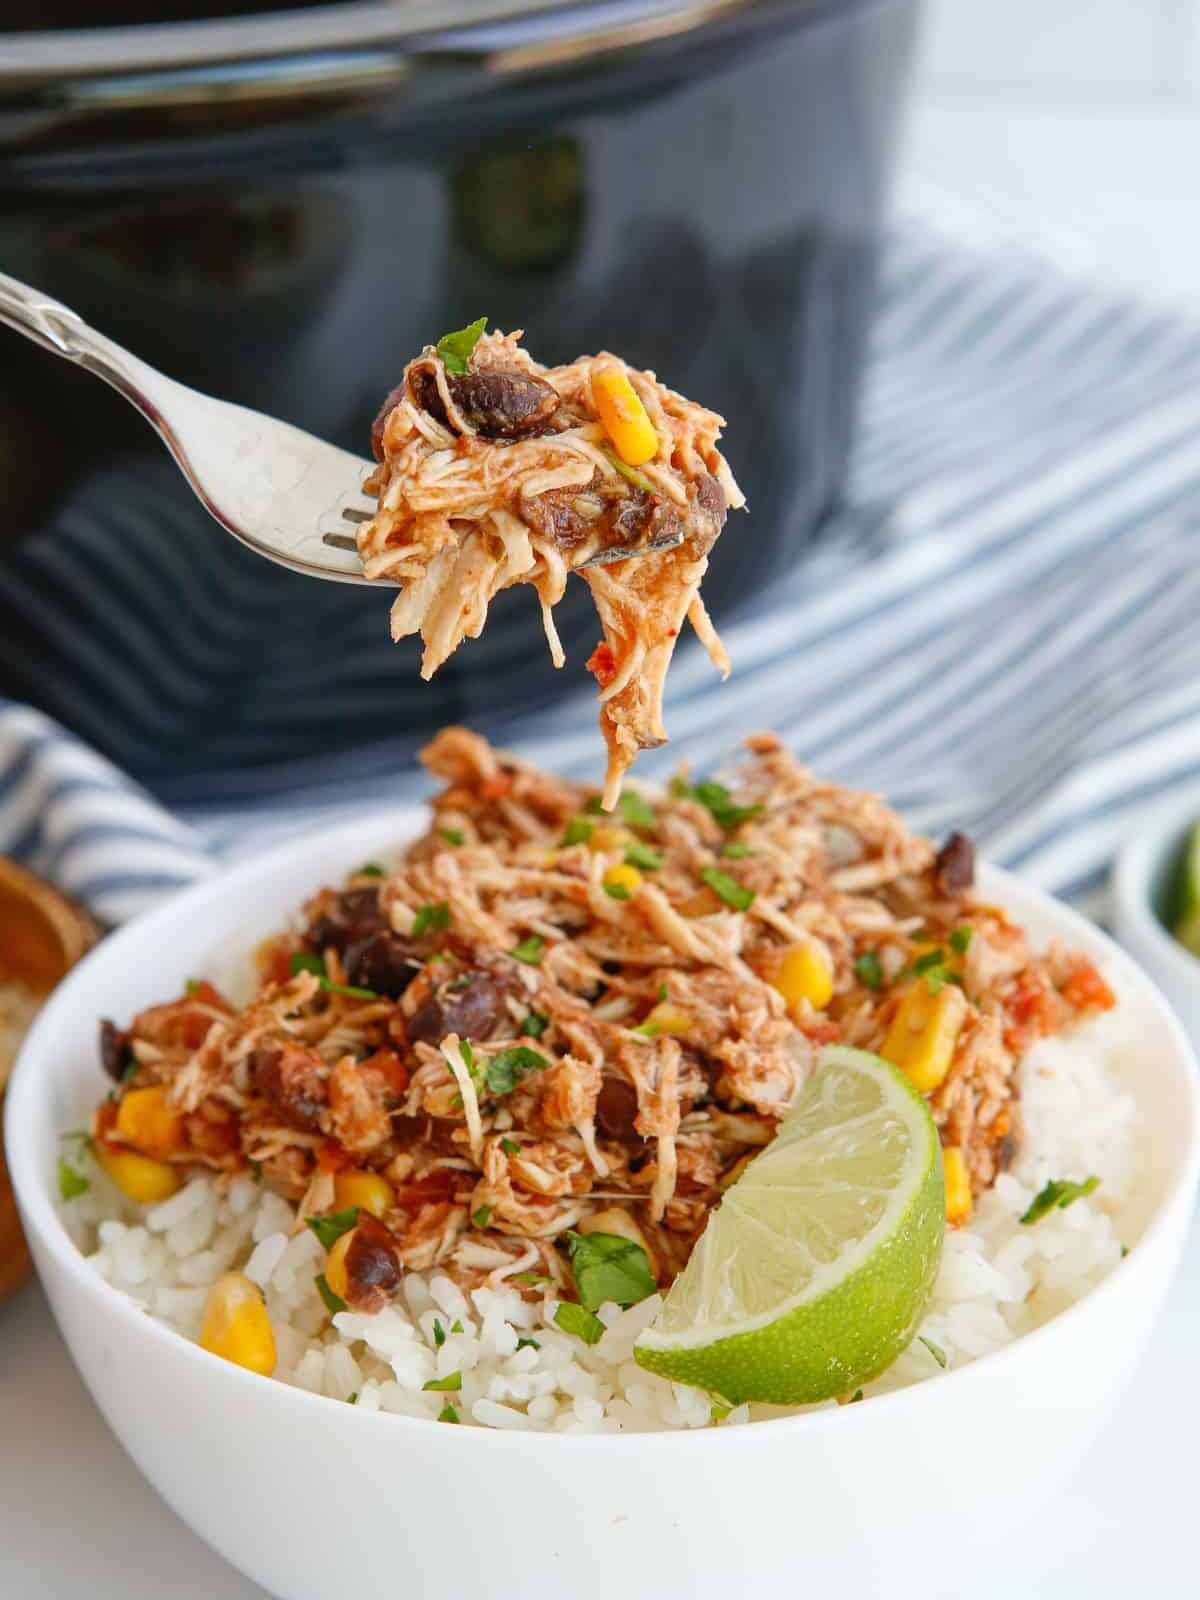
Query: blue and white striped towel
999	631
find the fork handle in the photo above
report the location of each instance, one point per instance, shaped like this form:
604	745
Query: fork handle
63	332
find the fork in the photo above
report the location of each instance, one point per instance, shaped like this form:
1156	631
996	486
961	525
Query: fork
283	493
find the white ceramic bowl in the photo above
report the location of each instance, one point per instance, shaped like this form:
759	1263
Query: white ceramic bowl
317	1501
1140	892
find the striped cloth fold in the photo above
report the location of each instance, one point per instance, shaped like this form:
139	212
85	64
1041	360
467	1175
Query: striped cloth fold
997	629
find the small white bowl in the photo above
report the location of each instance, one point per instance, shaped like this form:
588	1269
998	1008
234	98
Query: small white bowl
1140	892
316	1501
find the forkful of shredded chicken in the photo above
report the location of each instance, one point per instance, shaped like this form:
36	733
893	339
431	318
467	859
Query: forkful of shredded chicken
494	470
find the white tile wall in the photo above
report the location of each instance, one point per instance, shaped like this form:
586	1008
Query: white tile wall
1082	114
1044	42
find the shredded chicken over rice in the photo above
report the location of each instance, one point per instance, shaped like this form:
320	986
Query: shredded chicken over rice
505	473
540	1020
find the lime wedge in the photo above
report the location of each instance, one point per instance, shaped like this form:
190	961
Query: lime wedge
1185	923
815	1269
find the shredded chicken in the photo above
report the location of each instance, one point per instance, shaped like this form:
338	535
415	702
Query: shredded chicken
504	473
514	1049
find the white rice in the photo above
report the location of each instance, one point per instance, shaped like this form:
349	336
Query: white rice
998	1280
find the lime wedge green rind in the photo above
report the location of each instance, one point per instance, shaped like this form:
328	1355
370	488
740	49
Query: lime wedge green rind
814	1272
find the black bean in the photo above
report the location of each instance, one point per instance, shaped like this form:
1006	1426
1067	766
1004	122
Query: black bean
954	868
115	1053
474	1010
503	405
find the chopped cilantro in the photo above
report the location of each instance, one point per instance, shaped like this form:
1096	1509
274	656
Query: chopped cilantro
510	1147
1057	1195
447	1414
609	1267
1124	1251
71	1184
935	1350
330	1227
857	1395
662	993
434	918
456	1326
584	1324
630	474
716	798
129	1071
579	831
450	1384
636	811
529	950
370	869
933	968
728	889
869	969
192	986
454	836
333	1302
532	1343
439	1333
616	891
304	961
642	855
960	939
455	348
718	1412
482	1216
529	1277
535	1024
255	1169
633	807
506	1068
736	851
352	1399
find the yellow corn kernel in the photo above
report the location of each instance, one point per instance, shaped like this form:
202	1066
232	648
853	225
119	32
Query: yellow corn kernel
666	1018
622	877
959	1203
624	416
335	1265
922	1036
236	1326
140	1177
804	974
370	1191
604	838
148	1120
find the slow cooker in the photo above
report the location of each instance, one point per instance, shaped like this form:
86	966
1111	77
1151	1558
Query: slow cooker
281	207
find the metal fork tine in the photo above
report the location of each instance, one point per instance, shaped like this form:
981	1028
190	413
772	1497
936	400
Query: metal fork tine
340	541
604	558
352	514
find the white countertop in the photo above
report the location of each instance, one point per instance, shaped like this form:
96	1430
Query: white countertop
77	1519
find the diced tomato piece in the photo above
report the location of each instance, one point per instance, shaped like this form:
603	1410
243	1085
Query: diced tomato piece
332	1158
393	1071
602	664
496	788
1086	990
821	1030
208	995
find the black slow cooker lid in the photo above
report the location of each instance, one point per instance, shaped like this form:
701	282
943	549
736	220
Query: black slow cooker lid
68	37
77	102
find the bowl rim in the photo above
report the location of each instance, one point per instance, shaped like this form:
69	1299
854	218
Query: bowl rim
1132	873
44	1224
